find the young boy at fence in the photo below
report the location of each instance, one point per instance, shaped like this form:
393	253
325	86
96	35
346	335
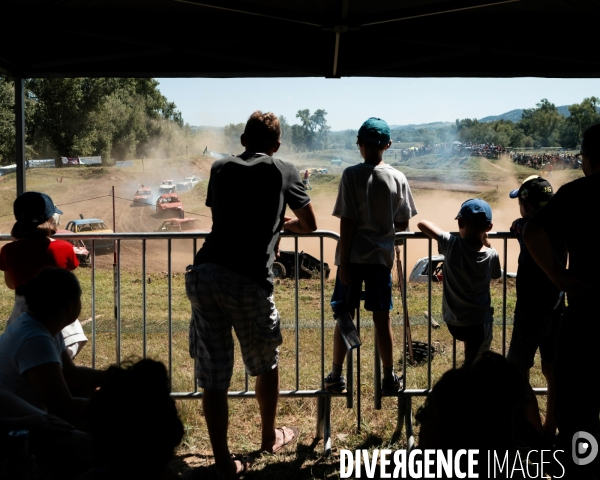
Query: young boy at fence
539	303
469	265
374	201
33	250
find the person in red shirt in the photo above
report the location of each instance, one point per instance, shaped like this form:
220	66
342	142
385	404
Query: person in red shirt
33	250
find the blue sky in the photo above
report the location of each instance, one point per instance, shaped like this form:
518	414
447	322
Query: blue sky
349	101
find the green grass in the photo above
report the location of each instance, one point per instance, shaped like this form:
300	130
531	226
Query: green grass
377	426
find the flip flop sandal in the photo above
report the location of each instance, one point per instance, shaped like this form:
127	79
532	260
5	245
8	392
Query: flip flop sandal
246	463
287	441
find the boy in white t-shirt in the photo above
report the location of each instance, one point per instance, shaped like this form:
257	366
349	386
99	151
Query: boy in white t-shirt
374	202
469	265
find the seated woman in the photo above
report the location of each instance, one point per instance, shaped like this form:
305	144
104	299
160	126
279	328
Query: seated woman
34	363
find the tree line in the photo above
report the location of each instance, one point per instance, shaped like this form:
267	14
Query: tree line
310	134
539	127
116	118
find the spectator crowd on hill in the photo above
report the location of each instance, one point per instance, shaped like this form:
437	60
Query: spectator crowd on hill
541	161
455	148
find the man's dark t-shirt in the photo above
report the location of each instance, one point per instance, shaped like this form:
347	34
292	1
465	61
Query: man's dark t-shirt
535	291
248	196
572	215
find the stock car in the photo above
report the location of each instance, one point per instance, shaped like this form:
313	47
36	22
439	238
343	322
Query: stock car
169	205
420	272
143	196
81	252
180	225
188	183
91	226
167	186
309	266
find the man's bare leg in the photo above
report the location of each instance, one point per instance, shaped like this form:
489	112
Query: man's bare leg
267	395
216	412
550	422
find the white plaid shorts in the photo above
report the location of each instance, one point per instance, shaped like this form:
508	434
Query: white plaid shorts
223	300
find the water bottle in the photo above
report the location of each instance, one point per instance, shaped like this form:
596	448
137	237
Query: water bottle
344	320
348	329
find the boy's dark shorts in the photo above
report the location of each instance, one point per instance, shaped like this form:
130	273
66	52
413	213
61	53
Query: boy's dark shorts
378	289
533	329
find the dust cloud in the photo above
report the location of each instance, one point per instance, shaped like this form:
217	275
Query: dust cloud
437	206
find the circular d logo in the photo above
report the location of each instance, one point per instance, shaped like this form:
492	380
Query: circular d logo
584	448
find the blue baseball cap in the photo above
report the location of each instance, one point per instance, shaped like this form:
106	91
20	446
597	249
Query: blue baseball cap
477	211
34	208
375	131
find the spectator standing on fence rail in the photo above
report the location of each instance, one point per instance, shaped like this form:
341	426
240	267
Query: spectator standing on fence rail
231	282
374	201
34	250
469	265
571	216
539	306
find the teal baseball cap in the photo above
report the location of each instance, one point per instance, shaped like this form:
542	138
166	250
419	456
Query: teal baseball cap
375	131
477	211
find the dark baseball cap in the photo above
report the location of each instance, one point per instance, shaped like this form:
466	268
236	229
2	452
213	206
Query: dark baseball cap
34	208
477	211
375	131
535	190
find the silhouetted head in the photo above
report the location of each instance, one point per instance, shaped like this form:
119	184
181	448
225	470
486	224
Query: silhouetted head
474	407
590	149
134	421
53	294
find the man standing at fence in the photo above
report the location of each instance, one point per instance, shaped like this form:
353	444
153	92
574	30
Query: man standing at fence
231	282
570	216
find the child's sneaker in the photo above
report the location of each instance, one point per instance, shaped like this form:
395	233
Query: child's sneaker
391	385
335	384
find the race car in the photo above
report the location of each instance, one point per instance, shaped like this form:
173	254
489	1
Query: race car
188	183
167	186
169	205
81	252
92	226
143	196
180	225
420	272
310	267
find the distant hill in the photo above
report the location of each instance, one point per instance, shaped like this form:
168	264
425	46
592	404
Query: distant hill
515	115
413	126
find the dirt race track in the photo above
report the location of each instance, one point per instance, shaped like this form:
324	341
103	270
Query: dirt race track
90	197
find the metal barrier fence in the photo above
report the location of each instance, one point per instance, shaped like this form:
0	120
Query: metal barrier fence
323	420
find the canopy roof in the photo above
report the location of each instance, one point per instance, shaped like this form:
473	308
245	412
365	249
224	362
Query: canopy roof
295	38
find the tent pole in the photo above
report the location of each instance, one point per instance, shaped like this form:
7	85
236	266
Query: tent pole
20	133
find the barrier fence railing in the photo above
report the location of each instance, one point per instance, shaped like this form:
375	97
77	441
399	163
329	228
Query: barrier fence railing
323	420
